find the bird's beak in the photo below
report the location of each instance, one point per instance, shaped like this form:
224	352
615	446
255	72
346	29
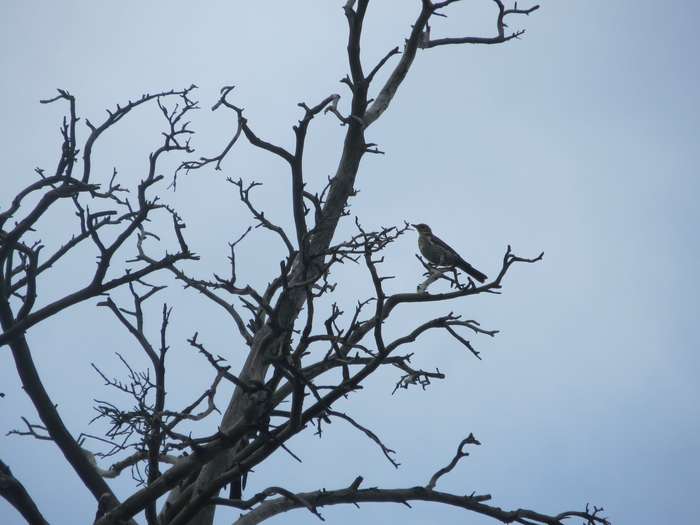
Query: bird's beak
414	226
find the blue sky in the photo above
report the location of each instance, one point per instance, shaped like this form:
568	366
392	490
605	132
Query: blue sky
581	140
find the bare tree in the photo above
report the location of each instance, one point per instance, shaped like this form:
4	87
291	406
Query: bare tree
298	354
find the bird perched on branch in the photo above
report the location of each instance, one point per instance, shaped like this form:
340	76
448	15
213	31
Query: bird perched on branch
440	253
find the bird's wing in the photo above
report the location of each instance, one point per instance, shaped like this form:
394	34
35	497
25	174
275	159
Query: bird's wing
438	241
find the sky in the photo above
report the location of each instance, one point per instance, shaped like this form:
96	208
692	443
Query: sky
579	140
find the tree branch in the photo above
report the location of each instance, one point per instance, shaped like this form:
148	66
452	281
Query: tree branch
354	495
48	413
469	440
426	42
16	495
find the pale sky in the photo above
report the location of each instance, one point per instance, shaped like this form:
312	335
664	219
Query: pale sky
579	140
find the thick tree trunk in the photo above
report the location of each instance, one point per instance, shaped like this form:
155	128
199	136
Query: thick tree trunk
290	303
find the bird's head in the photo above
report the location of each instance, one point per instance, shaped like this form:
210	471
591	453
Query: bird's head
422	229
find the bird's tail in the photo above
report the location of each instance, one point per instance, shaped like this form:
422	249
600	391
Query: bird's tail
473	272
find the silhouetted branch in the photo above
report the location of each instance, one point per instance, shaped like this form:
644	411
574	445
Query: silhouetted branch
34	430
16	495
354	495
385	450
427	42
469	440
244	194
262	496
189	165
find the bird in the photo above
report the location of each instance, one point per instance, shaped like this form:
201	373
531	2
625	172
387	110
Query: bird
440	253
